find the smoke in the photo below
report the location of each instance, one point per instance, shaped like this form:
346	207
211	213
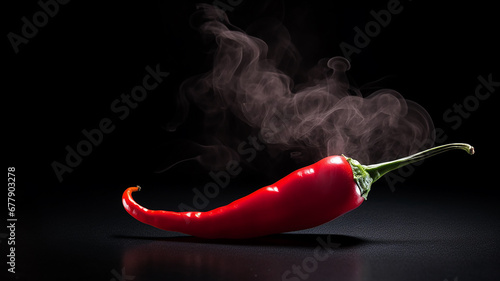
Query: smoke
251	79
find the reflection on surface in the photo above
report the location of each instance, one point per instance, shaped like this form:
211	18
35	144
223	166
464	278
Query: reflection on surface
277	257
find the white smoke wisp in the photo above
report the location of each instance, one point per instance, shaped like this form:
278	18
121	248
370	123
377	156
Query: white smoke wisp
322	117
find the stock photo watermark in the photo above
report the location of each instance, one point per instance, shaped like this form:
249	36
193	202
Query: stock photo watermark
11	219
453	117
121	108
310	264
220	179
248	150
460	111
121	276
31	26
372	29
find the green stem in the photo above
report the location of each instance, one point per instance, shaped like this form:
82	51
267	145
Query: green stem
365	175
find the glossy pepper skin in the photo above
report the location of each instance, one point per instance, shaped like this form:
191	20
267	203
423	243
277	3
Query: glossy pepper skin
306	198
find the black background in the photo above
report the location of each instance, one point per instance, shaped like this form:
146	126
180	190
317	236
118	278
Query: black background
67	76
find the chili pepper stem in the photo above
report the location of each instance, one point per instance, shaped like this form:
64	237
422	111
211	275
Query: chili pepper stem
366	175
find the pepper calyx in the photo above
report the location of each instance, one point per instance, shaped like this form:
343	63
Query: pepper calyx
365	175
362	178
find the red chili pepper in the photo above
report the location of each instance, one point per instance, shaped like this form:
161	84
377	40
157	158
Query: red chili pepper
306	198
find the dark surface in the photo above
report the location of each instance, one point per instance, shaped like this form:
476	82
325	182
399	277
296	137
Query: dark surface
404	235
436	221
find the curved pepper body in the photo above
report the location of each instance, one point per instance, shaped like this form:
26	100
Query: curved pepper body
306	198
